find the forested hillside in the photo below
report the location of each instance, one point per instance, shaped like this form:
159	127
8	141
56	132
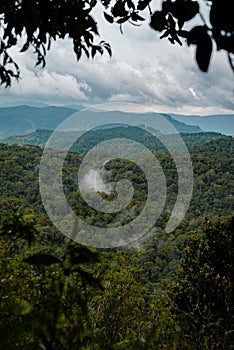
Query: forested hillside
170	292
91	138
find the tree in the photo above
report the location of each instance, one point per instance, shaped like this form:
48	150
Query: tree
120	314
203	292
43	297
36	23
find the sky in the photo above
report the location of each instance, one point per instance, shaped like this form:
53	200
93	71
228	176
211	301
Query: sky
143	70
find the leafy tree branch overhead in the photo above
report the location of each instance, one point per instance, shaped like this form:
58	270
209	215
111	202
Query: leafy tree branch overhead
36	23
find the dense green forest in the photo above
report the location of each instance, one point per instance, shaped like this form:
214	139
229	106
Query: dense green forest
91	138
173	291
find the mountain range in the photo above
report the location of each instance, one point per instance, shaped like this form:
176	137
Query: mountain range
22	120
221	123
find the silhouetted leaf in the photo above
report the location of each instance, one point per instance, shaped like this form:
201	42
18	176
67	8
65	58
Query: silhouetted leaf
165	34
180	23
167	6
174	39
49	44
108	49
38	22
88	278
118	10
93	51
2	47
121	29
131	4
203	52
42	259
183	33
136	17
171	22
109	18
158	21
5	59
91	24
84	48
12	40
184	10
88	36
77	49
93	3
225	43
142	4
221	16
123	19
79	255
195	34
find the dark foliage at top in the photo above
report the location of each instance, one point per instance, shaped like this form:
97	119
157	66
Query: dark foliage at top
36	23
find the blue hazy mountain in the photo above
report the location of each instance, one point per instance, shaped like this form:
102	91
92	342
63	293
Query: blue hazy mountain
223	124
22	120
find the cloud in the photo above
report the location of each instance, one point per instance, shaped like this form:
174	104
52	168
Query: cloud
93	182
46	85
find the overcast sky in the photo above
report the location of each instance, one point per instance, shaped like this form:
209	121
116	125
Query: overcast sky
143	69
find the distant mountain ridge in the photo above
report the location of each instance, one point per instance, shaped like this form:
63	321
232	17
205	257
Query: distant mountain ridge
22	120
222	123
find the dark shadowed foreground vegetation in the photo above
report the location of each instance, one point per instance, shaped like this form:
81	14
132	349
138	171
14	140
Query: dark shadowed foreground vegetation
172	292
